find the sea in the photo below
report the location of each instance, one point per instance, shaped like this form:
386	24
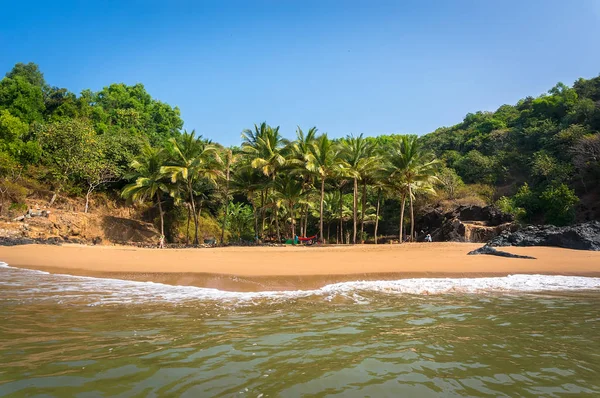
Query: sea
513	336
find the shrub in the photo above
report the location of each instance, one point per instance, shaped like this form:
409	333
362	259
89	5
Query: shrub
558	203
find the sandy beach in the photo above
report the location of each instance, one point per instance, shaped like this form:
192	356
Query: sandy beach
257	268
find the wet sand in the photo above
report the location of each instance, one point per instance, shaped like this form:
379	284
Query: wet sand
274	268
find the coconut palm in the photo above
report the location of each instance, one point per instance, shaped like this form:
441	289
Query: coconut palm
248	181
149	181
290	191
323	159
358	160
298	158
192	158
267	151
410	168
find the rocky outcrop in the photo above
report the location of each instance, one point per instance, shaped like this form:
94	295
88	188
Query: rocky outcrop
61	226
464	224
584	236
494	252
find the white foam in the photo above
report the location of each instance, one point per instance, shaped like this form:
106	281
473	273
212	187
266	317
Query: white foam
105	290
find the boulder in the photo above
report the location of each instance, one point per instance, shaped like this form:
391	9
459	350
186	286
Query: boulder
494	252
585	236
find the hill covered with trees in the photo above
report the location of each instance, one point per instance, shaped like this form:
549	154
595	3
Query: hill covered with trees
538	159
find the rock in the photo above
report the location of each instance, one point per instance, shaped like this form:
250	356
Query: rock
464	224
585	236
20	218
15	241
494	252
97	240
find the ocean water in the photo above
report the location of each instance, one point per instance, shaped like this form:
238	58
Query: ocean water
516	336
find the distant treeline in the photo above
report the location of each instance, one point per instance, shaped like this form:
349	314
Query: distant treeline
539	160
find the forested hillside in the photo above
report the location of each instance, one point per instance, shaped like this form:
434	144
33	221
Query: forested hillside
543	152
538	159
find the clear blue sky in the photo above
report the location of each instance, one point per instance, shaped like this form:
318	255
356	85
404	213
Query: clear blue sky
345	66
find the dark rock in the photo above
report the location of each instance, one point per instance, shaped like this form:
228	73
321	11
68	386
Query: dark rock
584	236
463	224
5	241
494	252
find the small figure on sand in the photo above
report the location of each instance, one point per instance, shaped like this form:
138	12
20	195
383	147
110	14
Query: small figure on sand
161	242
428	238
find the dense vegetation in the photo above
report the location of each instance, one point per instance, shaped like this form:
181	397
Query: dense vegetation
539	159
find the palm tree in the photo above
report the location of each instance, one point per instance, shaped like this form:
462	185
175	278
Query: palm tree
323	160
230	158
358	160
298	158
410	168
267	150
149	181
247	181
290	191
192	158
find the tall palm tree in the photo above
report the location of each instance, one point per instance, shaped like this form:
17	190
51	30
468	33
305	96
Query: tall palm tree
267	150
358	158
247	181
323	160
298	158
149	181
192	158
230	159
410	168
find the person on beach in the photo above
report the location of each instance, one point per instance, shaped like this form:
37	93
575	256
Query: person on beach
428	238
161	242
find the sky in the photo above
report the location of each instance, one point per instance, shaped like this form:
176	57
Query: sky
345	66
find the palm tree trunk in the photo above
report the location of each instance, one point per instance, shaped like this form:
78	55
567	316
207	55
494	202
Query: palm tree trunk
192	202
362	213
377	214
292	220
412	215
187	233
301	219
198	220
402	201
341	216
277	224
162	217
321	211
226	203
355	210
255	222
263	194
305	219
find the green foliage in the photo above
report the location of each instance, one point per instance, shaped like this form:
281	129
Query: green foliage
21	93
558	203
123	109
475	167
507	205
539	154
240	221
68	146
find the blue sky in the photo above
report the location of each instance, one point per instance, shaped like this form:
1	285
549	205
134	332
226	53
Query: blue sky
371	67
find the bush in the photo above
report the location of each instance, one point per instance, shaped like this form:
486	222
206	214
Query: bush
507	205
558	203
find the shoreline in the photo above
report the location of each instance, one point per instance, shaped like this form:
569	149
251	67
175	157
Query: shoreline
294	268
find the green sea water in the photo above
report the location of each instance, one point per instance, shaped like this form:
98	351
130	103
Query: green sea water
75	337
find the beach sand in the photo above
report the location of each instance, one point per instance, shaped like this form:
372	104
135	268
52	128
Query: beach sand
275	268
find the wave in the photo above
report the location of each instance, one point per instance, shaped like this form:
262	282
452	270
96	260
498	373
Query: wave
108	291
